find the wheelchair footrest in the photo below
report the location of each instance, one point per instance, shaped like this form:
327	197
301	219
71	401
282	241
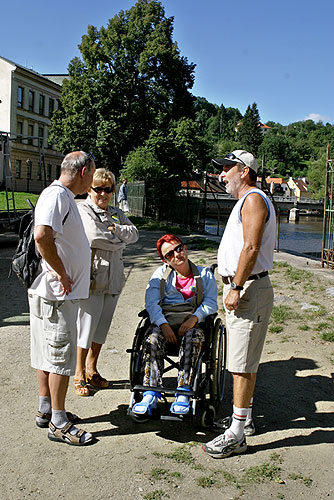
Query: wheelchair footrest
162	390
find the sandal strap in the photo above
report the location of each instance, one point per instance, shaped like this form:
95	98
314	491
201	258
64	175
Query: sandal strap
64	432
47	416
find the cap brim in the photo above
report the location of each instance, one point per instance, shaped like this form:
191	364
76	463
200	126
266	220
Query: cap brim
221	162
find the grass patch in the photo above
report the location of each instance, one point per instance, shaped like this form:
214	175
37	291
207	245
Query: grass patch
281	264
159	474
206	481
153	225
180	455
274	328
322	326
202	244
156	495
294	274
264	472
281	313
20	200
305	480
328	336
304	328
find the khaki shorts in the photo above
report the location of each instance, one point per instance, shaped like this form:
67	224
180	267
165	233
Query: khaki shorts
247	326
53	334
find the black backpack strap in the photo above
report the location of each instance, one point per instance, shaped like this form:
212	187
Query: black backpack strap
199	283
167	272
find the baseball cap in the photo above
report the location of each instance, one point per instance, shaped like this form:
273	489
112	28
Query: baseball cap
238	156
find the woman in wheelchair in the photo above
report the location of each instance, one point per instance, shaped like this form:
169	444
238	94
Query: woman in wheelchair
179	296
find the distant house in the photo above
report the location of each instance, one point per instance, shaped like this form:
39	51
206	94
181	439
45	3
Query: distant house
264	128
299	187
278	186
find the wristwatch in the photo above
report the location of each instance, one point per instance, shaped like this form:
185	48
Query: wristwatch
234	286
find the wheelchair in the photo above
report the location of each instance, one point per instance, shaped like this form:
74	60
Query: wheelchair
208	381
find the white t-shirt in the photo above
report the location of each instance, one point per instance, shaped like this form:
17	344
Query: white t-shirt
232	241
54	203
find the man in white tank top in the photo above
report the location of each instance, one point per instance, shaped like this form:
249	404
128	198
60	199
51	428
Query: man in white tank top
245	256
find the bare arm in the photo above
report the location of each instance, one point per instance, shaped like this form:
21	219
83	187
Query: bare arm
46	246
254	213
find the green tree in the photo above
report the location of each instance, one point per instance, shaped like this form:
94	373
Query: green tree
131	79
317	176
178	152
249	133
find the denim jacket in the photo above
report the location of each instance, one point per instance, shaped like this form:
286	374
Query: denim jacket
173	296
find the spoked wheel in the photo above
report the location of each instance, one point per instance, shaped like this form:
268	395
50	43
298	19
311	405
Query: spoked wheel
218	363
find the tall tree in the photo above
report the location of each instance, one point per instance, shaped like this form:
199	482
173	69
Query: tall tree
131	79
249	133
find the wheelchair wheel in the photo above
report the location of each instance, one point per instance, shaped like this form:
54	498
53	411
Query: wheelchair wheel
218	363
136	353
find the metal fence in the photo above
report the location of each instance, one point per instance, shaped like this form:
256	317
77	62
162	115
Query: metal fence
163	200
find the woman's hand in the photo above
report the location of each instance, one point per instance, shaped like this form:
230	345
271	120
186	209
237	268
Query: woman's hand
187	325
168	333
111	228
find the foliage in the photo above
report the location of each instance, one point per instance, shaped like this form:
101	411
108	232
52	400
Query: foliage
131	80
249	132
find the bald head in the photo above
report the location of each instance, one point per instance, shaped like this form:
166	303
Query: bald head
74	162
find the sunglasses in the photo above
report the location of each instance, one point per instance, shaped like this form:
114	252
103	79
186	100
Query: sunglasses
99	189
169	255
231	156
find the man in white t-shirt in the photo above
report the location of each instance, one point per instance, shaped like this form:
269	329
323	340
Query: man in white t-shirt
53	297
245	256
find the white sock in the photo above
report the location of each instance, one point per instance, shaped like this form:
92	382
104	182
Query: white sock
250	412
44	404
238	422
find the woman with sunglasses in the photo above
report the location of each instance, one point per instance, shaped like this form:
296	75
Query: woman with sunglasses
108	231
188	294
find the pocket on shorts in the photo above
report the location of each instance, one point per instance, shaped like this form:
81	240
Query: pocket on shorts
34	304
58	347
58	338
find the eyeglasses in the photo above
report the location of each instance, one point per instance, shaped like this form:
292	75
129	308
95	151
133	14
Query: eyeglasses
99	189
169	255
91	156
231	156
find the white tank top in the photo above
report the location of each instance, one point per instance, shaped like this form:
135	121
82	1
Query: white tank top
232	241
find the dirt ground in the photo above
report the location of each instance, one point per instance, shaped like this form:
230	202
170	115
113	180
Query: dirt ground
290	456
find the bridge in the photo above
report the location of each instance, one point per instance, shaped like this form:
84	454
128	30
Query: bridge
223	203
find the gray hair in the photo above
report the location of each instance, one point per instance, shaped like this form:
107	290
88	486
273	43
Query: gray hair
74	162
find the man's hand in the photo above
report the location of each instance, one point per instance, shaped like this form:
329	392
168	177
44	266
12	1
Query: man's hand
168	333
187	325
232	300
65	282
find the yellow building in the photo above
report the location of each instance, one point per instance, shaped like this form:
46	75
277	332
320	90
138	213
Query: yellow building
27	102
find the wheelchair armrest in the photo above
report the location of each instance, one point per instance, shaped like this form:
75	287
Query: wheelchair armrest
213	267
143	314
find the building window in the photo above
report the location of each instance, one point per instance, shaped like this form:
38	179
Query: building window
29	169
31	100
18	169
57	171
30	134
48	172
41	135
51	106
41	104
19	131
20	94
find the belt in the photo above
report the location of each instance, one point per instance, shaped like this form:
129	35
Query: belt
228	279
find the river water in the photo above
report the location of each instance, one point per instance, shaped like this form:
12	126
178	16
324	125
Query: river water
303	237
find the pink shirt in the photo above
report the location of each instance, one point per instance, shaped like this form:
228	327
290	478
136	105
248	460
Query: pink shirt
186	286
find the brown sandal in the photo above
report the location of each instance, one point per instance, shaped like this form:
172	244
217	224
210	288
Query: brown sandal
81	388
97	381
64	436
43	419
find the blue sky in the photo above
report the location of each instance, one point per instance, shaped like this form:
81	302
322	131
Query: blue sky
277	54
